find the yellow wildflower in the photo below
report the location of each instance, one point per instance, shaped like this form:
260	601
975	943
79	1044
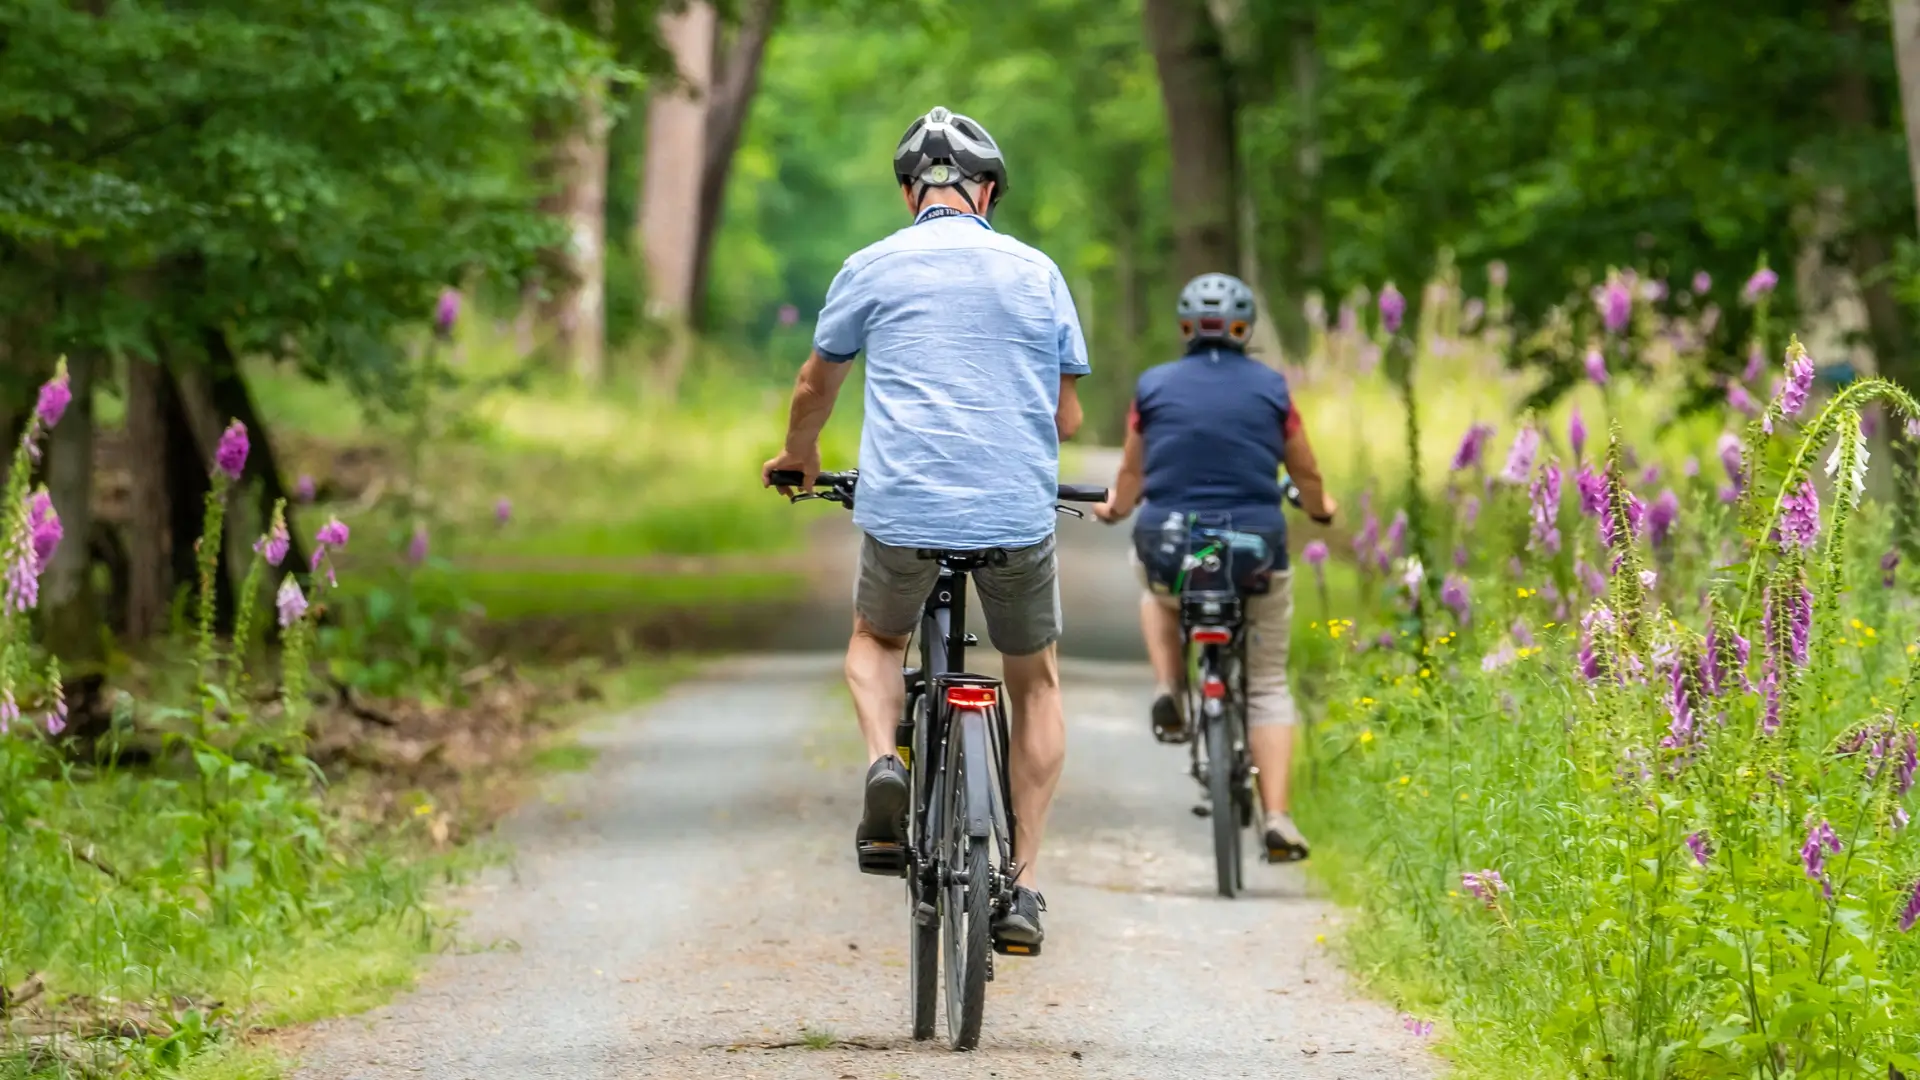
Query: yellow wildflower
1366	736
1405	780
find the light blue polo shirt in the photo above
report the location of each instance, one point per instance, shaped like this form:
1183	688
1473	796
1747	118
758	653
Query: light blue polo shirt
966	333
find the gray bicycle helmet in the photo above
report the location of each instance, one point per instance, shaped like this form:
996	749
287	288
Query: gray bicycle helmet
943	148
1216	307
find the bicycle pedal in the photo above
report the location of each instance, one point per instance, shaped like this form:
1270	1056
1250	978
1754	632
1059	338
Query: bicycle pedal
1202	810
1013	948
882	857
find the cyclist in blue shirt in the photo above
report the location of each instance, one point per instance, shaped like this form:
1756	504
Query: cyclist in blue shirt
972	351
1207	435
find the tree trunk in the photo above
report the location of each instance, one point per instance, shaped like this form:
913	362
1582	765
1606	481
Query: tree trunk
193	434
1871	250
1195	86
1906	55
72	623
150	405
574	308
675	161
736	76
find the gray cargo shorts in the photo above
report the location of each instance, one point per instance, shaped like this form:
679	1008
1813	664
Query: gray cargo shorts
1021	599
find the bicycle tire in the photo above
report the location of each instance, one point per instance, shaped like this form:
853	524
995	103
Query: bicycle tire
923	938
965	924
1226	817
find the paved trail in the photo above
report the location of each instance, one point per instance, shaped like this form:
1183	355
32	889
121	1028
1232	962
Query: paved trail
690	907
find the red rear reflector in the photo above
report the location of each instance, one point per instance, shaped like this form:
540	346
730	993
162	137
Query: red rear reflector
1213	688
1212	635
973	697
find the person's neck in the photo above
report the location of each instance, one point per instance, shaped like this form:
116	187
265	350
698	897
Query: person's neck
946	197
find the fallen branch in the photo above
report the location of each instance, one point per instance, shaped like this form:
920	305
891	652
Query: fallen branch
356	707
26	992
488	670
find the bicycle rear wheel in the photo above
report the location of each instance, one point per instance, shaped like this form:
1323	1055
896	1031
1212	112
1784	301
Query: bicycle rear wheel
1226	815
923	901
965	924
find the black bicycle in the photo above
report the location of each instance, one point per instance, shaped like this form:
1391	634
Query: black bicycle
1213	626
959	860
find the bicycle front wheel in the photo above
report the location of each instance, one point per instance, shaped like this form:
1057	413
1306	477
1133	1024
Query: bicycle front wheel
965	925
1226	814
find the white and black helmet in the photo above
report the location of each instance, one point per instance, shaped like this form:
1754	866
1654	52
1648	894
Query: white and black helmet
943	148
1216	307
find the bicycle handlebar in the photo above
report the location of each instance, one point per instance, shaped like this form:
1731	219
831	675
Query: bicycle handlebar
843	483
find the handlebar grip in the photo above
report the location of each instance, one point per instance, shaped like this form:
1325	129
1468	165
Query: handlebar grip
1082	493
786	478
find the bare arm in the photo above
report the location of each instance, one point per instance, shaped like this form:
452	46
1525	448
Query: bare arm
1125	494
814	392
1066	418
1305	472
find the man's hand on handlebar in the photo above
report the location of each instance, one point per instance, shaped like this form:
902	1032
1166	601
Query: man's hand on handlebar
807	465
1108	513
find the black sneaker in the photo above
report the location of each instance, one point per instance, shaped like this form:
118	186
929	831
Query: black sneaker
1167	725
881	840
1018	931
1283	839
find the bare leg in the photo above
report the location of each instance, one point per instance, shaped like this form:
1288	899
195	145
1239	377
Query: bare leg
1160	626
1272	747
1038	752
879	694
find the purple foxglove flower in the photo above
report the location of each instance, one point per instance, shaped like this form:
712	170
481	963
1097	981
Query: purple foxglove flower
1460	556
1911	913
1756	363
1592	487
1596	364
1648	579
417	546
1616	308
1760	284
291	602
55	395
1314	554
1522	635
1412	573
57	715
1591	578
1349	319
1793	390
1577	434
333	534
230	456
1660	518
303	488
1800	623
1516	568
1653	291
1469	512
447	311
1471	446
1702	282
1368	538
1453	593
1821	840
1679	709
43	529
1733	459
1546	509
1800	516
1650	476
1397	533
1384	641
1597	621
1912	427
1740	401
1393	308
1497	274
1499	658
1770	694
1869	423
1697	844
273	546
1729	494
1909	764
1889	567
1690	468
1520	458
503	512
9	711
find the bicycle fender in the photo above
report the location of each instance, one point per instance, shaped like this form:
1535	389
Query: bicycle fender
978	772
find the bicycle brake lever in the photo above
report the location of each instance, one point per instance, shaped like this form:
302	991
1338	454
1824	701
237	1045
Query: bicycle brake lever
804	496
1070	510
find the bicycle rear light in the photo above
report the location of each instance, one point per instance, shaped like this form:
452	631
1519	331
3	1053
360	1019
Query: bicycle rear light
1211	635
1213	689
973	697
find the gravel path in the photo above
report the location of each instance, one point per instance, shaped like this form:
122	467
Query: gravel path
689	908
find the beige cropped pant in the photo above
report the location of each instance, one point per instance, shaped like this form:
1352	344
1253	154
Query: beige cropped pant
1269	630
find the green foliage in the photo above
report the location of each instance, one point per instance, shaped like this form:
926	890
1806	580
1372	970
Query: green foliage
302	176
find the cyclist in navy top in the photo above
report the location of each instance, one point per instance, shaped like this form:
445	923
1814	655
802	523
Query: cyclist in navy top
1206	437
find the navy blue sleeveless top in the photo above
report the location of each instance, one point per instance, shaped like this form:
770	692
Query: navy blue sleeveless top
1215	424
